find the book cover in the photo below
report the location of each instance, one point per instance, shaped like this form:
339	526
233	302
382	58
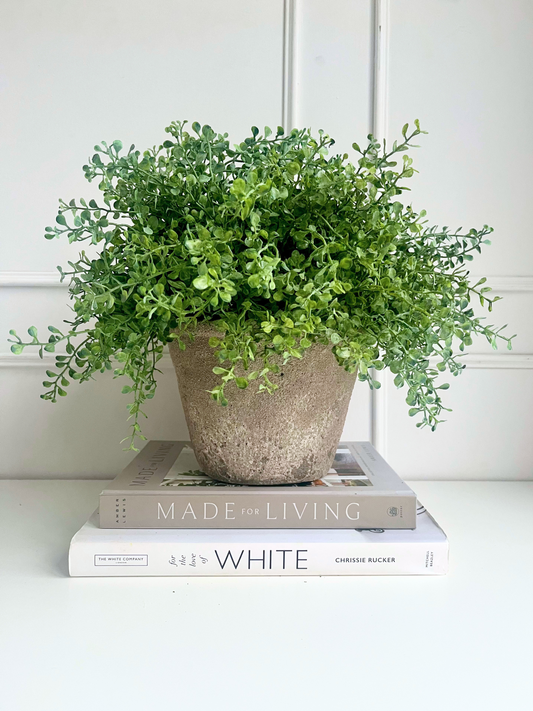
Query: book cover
96	551
164	488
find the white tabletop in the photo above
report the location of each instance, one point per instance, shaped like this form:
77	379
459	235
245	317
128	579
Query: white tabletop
461	642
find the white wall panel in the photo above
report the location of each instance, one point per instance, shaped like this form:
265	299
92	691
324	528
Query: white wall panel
487	436
461	68
333	69
23	307
219	63
79	436
464	69
515	310
71	74
74	73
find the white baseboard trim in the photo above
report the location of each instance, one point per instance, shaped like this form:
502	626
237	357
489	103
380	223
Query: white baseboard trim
32	280
509	284
32	360
489	361
499	284
499	361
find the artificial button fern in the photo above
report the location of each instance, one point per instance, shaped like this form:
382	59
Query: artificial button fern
277	244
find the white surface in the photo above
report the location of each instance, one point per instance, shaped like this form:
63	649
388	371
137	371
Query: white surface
459	642
74	73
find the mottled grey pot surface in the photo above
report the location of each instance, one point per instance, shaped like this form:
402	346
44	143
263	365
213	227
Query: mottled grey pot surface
260	438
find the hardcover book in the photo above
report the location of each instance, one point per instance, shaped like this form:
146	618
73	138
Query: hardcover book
164	488
95	551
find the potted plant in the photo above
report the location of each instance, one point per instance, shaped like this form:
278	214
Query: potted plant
276	274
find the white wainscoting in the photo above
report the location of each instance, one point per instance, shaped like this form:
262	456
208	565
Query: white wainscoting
80	435
347	67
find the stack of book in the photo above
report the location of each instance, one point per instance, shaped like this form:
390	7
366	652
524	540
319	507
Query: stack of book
163	516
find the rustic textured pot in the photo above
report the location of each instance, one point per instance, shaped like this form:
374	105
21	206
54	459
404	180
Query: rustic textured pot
259	438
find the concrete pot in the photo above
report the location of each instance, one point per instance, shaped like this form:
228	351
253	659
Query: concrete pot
287	437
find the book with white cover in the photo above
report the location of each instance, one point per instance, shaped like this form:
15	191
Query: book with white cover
95	551
164	488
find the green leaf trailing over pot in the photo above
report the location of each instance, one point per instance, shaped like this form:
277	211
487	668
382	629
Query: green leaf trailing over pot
280	246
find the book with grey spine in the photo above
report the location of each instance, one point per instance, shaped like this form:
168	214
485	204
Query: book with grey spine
100	552
163	487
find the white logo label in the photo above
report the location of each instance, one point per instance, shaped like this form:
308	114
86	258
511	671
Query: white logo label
121	560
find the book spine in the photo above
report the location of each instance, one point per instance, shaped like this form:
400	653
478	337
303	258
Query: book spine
89	559
232	510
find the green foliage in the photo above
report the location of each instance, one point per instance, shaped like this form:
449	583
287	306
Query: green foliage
278	244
